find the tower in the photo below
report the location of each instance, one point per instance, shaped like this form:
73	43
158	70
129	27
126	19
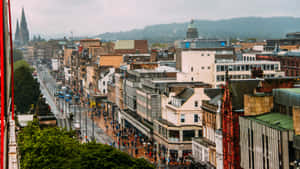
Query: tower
230	130
17	34
24	29
192	32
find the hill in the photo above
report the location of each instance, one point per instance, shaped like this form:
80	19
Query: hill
242	28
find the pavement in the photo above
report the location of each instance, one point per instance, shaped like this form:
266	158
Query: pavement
61	118
104	132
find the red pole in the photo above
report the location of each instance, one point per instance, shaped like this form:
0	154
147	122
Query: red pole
11	65
3	97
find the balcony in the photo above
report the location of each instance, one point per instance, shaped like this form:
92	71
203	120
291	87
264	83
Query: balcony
176	102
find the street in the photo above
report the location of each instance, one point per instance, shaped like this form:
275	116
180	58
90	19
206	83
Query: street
62	111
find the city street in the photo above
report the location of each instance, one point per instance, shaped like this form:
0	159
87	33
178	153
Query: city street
60	106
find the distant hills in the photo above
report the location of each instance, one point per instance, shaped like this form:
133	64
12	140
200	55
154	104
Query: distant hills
242	28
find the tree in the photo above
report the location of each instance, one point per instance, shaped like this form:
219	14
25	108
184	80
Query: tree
58	149
46	148
18	55
26	88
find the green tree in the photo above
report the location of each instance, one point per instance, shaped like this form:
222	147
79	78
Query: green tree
54	148
94	156
27	90
18	55
22	63
46	148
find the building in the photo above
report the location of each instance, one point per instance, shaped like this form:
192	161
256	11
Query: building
22	32
111	60
260	117
243	70
133	79
201	43
250	46
192	32
266	141
131	47
106	77
134	58
204	149
86	43
291	42
290	61
210	65
28	53
162	55
181	119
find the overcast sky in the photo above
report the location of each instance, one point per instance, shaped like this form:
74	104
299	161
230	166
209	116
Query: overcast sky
91	17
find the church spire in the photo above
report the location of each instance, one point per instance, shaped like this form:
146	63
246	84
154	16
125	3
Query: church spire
17	33
24	29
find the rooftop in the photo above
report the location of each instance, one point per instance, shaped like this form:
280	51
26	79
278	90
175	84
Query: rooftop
291	90
275	120
204	141
247	62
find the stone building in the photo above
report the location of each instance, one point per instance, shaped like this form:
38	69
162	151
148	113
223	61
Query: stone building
22	31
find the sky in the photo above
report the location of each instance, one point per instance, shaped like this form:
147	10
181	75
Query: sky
59	18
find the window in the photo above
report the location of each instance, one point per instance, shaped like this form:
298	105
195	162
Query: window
208	54
208	67
103	91
218	68
192	69
276	67
196	103
103	82
247	68
202	54
182	118
192	79
222	68
202	67
196	118
220	78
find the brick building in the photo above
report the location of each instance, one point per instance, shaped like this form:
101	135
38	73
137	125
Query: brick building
131	46
290	61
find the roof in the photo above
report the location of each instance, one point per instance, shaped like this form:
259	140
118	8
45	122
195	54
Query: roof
239	88
291	90
213	92
216	100
288	97
185	94
274	120
204	141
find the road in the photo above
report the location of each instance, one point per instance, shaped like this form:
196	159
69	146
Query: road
61	119
48	90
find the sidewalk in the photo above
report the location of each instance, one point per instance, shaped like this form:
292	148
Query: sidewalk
127	144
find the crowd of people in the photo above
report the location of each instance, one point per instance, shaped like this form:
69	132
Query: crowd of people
130	140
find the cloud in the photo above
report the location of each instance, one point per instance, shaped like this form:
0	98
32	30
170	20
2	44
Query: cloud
90	17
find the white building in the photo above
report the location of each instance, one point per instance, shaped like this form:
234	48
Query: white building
55	64
242	70
105	77
210	66
67	72
181	121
